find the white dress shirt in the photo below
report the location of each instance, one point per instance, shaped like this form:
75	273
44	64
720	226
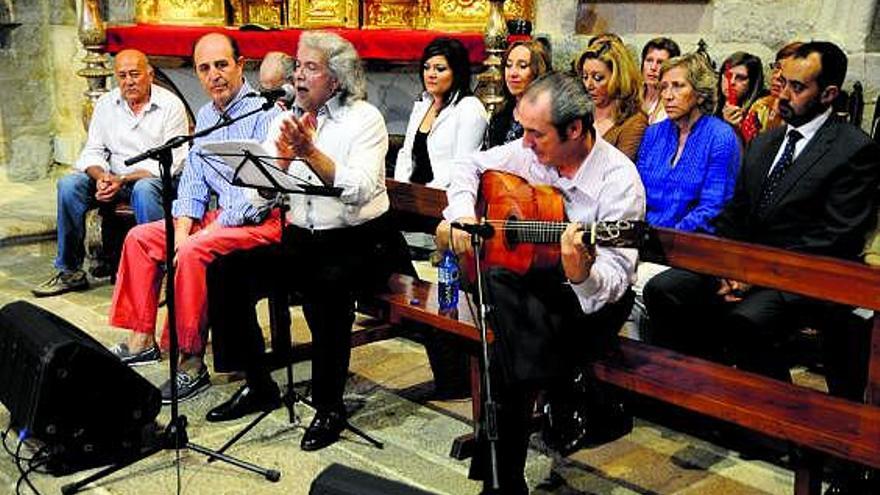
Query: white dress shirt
355	138
807	132
117	134
455	133
606	187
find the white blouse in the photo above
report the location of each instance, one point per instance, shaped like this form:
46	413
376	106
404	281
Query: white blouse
456	133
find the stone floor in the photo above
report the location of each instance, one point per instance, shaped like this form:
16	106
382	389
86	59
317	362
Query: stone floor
388	392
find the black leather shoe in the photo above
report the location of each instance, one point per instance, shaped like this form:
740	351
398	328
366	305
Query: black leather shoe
324	430
852	480
243	402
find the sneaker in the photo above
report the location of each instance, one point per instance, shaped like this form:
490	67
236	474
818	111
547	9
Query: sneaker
147	356
62	282
188	386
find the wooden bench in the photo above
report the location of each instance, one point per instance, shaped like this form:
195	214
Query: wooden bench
807	418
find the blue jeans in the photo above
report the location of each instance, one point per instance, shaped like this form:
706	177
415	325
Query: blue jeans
76	196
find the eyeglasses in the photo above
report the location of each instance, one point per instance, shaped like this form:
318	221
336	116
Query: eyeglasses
308	68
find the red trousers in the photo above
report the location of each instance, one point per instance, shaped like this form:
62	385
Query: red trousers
136	295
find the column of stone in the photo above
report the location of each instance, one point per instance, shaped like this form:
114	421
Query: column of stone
26	105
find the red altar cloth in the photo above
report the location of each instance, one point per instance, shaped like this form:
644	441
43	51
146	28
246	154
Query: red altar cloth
392	45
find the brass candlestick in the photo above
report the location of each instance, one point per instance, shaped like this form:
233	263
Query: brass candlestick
495	38
94	38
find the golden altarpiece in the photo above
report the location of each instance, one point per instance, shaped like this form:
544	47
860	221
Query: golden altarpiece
441	15
487	16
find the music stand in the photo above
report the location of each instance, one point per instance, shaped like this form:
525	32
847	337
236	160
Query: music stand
251	167
175	436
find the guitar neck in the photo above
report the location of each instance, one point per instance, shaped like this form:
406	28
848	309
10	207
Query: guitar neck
622	233
533	232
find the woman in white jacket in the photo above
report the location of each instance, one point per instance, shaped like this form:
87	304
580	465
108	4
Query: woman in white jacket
446	123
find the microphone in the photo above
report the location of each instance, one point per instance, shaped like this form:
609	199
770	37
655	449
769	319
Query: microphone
483	230
286	93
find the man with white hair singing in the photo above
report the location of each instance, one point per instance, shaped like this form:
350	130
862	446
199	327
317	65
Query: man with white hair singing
334	248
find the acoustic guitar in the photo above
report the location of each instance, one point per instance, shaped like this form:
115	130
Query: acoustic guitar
527	222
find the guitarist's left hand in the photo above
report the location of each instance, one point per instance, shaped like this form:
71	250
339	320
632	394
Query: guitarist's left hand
577	257
458	240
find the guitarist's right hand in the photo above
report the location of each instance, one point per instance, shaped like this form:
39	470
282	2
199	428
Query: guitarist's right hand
458	240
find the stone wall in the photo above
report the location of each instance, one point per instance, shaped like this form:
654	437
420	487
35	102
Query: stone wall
26	105
66	54
758	26
40	108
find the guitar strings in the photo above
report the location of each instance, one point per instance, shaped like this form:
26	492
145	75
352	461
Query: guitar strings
540	231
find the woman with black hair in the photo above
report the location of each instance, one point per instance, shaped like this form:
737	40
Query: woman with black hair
740	83
447	122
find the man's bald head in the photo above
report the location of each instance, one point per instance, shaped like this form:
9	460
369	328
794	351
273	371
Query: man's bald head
276	69
134	76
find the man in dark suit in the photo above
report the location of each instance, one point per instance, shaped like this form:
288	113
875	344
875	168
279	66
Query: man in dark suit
810	186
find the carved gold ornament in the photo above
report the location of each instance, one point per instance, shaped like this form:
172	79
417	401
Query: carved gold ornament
390	14
324	13
472	15
194	12
440	15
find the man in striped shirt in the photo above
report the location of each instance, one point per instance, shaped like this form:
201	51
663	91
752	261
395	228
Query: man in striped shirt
200	235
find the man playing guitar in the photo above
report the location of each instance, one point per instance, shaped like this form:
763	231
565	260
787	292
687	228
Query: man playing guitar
548	321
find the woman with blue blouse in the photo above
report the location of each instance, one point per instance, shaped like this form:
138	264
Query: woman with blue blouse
688	163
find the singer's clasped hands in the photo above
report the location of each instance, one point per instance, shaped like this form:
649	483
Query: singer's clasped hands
297	135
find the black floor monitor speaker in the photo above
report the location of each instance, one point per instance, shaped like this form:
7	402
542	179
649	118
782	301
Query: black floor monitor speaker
343	480
66	390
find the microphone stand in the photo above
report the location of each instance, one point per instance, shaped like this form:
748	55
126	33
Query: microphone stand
490	408
175	436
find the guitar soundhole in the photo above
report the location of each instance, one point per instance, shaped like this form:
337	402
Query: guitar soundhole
511	235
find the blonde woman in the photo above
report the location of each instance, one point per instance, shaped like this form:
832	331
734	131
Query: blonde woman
612	78
523	62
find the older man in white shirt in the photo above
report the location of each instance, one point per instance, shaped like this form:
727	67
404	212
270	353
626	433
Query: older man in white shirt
549	322
334	248
127	121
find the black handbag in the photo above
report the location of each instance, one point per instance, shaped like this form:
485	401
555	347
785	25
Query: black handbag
580	413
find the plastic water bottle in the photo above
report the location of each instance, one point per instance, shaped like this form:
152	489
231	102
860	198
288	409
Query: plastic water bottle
448	282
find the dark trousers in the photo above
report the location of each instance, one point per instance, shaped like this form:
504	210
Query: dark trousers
541	335
686	314
329	269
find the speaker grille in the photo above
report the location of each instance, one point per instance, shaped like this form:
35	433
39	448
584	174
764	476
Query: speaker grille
66	389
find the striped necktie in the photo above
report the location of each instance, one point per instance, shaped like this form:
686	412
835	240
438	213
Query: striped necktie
779	169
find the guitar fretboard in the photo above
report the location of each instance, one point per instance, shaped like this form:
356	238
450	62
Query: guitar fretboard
533	232
622	233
